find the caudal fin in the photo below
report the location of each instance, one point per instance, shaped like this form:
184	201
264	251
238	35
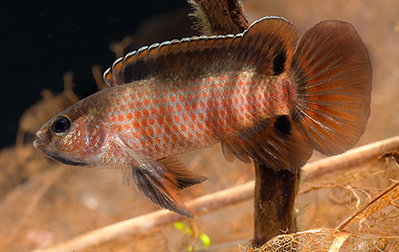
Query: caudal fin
332	70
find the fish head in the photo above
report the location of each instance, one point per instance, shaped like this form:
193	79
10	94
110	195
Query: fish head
73	137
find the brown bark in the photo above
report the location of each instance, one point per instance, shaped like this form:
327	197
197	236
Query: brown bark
224	16
275	193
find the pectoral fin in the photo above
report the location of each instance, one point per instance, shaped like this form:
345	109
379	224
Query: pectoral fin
160	181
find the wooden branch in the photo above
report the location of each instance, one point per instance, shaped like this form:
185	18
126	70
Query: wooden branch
274	203
217	200
139	224
221	16
350	158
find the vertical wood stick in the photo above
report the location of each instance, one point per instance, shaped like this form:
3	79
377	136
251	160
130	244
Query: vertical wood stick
274	201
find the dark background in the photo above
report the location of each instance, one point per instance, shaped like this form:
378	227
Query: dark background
44	39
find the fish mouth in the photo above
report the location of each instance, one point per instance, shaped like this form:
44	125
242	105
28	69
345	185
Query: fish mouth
42	146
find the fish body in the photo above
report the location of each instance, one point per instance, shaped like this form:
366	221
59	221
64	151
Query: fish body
254	92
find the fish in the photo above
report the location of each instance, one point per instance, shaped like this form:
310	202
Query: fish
259	94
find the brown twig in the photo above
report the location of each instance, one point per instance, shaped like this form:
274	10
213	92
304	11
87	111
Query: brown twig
136	225
220	17
353	216
350	158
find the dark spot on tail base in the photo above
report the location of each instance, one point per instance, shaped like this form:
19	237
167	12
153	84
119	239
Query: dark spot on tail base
279	62
283	125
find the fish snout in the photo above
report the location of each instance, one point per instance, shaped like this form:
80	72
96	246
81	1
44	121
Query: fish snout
39	143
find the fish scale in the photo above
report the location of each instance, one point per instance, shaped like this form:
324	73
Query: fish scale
257	93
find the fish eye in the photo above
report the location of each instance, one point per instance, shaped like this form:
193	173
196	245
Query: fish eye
60	125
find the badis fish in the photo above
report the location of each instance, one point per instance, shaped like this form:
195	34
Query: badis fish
257	93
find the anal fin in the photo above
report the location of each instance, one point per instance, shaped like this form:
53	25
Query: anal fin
276	142
184	177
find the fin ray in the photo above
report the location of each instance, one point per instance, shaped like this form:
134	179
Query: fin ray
257	48
332	70
276	142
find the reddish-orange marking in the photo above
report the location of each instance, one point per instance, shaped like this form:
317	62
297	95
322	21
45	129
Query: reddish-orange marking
206	86
119	127
185	118
201	116
151	121
165	139
214	85
175	128
200	125
195	106
136	125
204	94
182	98
160	120
157	141
168	120
146	93
135	135
138	104
170	108
121	118
127	127
193	116
150	131
137	114
130	105
146	102
192	127
113	118
158	130
183	127
177	118
190	96
179	107
167	130
162	110
145	112
164	99
173	99
202	105
144	122
129	116
153	111
142	132
155	101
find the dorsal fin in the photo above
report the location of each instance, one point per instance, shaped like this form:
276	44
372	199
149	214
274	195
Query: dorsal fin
266	47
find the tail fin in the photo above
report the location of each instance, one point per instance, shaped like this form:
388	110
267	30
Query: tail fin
332	70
